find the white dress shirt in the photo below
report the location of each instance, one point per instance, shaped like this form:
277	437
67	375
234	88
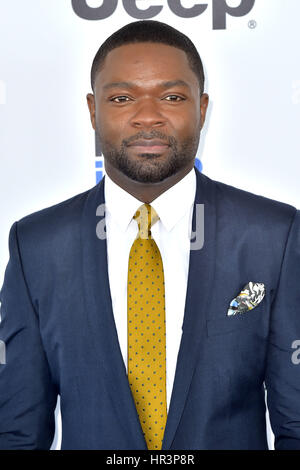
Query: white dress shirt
172	236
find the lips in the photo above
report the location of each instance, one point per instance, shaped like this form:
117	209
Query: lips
148	143
149	146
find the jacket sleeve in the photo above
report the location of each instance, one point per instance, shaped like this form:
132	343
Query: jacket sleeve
282	377
27	395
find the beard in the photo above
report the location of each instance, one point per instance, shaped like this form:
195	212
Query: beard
149	168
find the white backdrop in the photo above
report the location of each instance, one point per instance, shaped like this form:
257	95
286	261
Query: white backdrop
47	151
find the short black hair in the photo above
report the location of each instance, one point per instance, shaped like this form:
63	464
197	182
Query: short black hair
149	31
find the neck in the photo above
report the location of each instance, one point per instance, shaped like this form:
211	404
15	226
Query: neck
145	192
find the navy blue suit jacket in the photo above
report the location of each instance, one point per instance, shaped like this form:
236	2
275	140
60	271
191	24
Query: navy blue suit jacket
60	335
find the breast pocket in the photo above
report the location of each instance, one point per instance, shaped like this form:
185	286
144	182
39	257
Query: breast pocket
228	324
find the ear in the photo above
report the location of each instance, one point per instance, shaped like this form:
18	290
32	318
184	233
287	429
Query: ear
91	104
203	107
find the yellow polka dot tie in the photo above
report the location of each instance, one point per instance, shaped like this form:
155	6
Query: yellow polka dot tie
147	330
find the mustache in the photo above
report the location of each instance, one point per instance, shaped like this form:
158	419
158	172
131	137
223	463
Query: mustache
151	135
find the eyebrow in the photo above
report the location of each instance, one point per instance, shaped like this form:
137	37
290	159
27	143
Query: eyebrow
169	84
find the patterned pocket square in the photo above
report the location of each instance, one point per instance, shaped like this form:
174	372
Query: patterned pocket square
251	295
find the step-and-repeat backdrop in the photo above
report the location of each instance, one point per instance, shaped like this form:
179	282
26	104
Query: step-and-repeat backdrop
47	146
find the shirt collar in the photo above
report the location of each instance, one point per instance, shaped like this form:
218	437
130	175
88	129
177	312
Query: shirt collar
171	205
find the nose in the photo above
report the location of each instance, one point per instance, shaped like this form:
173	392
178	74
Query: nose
147	114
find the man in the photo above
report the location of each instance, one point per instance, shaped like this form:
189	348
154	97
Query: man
153	340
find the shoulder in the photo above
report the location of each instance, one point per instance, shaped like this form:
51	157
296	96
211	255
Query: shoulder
51	224
246	207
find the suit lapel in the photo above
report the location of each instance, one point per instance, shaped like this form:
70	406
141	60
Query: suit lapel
199	287
101	318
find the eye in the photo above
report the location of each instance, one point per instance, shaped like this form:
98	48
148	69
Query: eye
177	98
119	99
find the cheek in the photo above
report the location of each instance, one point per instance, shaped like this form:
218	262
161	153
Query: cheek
187	123
187	128
113	120
109	129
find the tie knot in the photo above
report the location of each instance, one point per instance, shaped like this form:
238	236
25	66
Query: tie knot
146	216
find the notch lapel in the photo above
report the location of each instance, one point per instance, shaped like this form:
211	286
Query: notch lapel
200	285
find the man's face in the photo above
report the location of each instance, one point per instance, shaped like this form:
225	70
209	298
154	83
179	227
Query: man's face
147	111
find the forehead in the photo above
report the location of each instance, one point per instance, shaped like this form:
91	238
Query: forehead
146	63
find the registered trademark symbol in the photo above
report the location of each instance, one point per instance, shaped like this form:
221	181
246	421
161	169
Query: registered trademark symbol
252	24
